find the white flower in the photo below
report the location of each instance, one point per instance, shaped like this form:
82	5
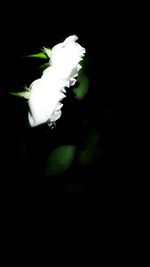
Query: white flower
47	92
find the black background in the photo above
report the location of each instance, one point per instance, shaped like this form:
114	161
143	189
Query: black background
24	30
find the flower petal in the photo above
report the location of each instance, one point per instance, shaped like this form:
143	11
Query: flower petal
47	92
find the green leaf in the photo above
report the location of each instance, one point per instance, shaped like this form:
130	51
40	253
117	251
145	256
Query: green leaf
24	94
47	51
60	160
44	66
39	55
44	54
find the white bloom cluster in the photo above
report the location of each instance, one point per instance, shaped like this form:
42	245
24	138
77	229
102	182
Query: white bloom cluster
47	92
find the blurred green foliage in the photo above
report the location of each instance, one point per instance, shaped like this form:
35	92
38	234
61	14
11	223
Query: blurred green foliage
91	150
60	160
82	89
